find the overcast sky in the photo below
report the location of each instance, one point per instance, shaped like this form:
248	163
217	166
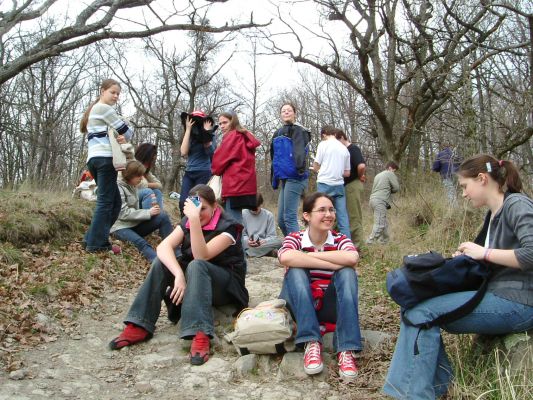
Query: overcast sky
278	71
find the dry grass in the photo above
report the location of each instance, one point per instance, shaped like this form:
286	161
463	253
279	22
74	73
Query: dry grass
421	220
33	217
44	269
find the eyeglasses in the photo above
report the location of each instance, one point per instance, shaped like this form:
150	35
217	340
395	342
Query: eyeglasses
324	211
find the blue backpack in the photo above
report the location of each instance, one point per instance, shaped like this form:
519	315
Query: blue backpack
283	164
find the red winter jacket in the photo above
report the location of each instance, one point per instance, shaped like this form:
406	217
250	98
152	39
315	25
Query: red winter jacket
234	159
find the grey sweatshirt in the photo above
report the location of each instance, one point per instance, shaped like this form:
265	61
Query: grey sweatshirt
261	226
512	228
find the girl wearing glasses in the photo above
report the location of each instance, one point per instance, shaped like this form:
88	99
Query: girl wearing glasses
320	286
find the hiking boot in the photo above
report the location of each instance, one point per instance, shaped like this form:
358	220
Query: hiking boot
130	335
347	365
312	358
199	349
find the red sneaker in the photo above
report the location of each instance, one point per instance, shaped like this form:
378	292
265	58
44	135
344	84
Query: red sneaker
130	335
199	349
312	358
115	249
347	366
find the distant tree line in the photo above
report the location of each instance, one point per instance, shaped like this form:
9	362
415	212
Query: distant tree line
407	78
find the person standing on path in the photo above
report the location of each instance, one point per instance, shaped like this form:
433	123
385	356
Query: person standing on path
332	162
198	150
96	121
234	160
353	186
289	154
385	183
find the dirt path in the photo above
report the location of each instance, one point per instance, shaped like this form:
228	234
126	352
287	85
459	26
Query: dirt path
79	365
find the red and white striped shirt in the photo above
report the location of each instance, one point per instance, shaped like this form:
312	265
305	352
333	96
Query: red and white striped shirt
301	241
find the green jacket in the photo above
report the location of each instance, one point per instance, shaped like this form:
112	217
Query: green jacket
385	183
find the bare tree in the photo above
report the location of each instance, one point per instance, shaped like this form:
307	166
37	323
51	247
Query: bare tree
92	24
177	81
404	72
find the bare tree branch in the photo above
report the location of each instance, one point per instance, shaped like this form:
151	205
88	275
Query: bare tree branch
82	32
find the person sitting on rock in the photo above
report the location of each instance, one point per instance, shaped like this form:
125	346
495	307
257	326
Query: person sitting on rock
420	368
259	236
320	286
135	223
209	272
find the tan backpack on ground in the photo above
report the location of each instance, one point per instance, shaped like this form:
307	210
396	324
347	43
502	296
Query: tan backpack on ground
267	328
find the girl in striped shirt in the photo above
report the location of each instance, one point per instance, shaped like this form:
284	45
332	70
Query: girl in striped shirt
97	119
320	286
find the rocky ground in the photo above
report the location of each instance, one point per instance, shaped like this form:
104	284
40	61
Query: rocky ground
77	363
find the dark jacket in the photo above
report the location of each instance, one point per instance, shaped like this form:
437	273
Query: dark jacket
446	163
232	258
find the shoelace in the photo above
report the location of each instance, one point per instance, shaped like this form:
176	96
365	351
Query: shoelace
312	353
347	361
200	342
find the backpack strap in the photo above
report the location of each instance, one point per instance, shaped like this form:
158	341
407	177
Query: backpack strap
457	313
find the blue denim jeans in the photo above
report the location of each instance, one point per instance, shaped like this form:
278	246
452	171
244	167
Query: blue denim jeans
191	179
235	213
206	287
420	368
108	204
339	201
296	291
145	198
290	193
137	233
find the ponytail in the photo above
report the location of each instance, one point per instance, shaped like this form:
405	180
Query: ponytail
503	172
85	119
510	173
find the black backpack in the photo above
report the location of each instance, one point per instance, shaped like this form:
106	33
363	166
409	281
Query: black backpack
427	275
